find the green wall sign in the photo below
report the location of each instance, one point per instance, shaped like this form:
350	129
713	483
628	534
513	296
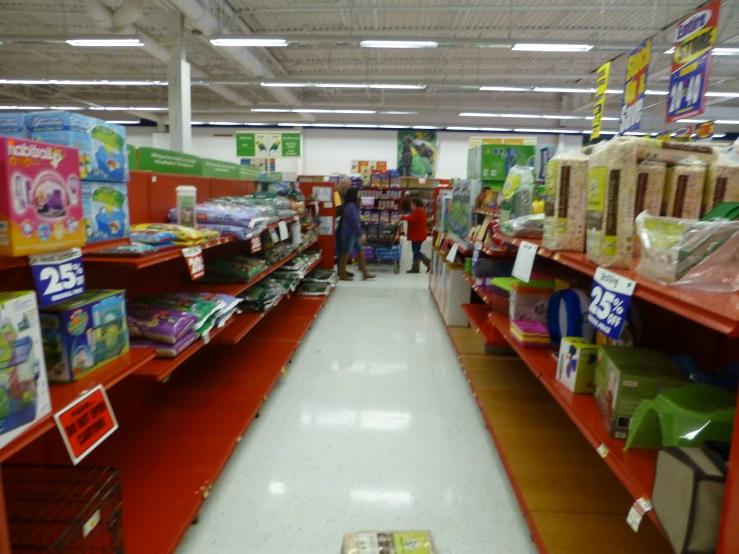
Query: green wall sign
245	145
268	144
217	168
249	172
290	145
168	161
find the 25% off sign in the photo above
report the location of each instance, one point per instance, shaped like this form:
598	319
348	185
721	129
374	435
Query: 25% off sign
610	299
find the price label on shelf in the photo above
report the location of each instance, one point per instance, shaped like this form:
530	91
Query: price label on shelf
284	233
274	236
610	299
58	276
524	263
255	245
452	253
637	512
195	262
85	423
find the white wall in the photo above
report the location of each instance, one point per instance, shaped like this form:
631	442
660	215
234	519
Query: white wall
327	151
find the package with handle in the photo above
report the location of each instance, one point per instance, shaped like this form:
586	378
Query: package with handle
566	202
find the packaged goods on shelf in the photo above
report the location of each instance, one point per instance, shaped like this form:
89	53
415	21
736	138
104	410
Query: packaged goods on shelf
264	295
576	364
204	310
241	269
380	542
322	276
531	334
611	196
40	198
222	213
24	388
722	184
696	254
13	125
105	207
500	295
134	249
567	315
83	334
671	152
169	233
684	191
159	324
165	349
186	201
624	377
650	186
518	193
101	145
529	301
566	202
688	496
526	226
236	231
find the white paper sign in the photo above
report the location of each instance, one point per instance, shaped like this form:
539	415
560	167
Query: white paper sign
637	512
297	234
525	261
452	253
284	233
327	225
323	194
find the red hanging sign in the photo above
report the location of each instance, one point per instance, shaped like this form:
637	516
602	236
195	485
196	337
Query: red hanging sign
195	262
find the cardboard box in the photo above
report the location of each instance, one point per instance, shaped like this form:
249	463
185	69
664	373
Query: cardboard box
103	155
13	125
625	376
24	390
106	211
40	198
83	334
576	364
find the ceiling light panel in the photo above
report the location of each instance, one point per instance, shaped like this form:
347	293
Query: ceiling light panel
342	85
105	42
286	85
249	42
549	47
401	87
507	89
398	44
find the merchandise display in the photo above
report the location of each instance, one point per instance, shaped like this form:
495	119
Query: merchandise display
24	389
529	301
526	226
684	191
105	206
517	196
531	334
83	334
166	233
566	202
576	364
13	125
186	201
382	542
162	325
722	183
205	310
40	198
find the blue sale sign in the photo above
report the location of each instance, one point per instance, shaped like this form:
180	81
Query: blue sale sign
635	86
610	299
58	276
695	37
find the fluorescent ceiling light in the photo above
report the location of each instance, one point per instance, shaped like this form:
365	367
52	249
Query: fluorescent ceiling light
546	47
520	116
271	110
283	85
718	51
411	87
398	44
495	129
462	128
728	121
249	42
292	124
563	89
67	82
354	111
690	120
362	125
22	107
124	121
614	91
425	127
635	133
198	123
327	125
723	94
223	123
257	124
66	108
400	113
656	92
559	131
145	109
588	131
105	42
720	135
394	126
310	110
342	85
562	117
475	114
506	89
604	118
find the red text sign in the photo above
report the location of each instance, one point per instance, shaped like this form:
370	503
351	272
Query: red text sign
195	262
86	423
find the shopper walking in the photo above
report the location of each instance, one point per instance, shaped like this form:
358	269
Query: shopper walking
339	192
352	237
417	232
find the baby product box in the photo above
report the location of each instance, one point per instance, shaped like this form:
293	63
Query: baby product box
624	376
13	125
40	198
83	334
105	206
102	146
576	364
24	390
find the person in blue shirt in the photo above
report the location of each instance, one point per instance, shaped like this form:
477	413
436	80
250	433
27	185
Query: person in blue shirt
352	237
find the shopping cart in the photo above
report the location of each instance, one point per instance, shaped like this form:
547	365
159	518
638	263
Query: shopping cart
383	244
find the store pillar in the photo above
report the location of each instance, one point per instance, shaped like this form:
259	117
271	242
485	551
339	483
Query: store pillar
178	72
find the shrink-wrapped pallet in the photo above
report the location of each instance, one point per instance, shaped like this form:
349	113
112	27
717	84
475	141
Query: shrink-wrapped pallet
566	202
684	191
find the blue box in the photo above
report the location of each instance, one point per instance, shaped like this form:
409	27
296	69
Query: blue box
83	334
101	145
13	125
105	207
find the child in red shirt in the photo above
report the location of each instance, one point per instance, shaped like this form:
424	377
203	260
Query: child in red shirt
417	232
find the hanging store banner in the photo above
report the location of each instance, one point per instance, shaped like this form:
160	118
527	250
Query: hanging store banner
599	105
637	70
417	153
695	37
705	130
269	144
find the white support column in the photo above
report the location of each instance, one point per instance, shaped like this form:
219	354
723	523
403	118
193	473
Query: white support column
178	73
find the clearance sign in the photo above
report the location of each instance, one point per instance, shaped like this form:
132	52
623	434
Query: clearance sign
695	37
637	68
599	103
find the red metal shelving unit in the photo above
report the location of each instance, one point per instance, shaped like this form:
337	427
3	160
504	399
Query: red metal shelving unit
478	316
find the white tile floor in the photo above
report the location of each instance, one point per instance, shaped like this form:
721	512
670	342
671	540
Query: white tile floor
373	428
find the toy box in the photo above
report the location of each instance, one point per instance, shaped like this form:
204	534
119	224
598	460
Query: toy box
624	376
24	390
40	198
13	125
83	334
576	364
105	207
102	146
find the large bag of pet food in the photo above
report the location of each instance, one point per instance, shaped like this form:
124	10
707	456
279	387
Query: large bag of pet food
566	202
683	195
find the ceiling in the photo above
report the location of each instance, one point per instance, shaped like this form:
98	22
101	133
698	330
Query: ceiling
474	39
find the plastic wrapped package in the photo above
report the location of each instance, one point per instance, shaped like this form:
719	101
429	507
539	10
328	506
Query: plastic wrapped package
517	195
650	187
671	152
527	226
166	350
684	191
722	183
566	202
266	211
163	233
200	308
224	214
159	324
695	254
236	231
611	195
385	542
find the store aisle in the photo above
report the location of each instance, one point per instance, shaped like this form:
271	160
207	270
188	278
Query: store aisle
373	428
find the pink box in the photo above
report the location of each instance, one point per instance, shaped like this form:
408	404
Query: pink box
40	198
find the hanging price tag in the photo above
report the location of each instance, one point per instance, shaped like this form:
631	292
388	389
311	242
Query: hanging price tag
255	245
524	263
610	299
274	236
58	276
452	253
195	262
85	423
637	511
284	233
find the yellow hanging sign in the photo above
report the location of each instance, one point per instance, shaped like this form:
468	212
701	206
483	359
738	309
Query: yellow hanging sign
600	99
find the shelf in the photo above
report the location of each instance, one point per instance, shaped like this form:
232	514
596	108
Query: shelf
241	325
104	245
62	395
478	316
309	227
141	262
717	311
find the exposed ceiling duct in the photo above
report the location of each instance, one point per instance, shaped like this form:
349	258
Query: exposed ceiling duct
115	15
